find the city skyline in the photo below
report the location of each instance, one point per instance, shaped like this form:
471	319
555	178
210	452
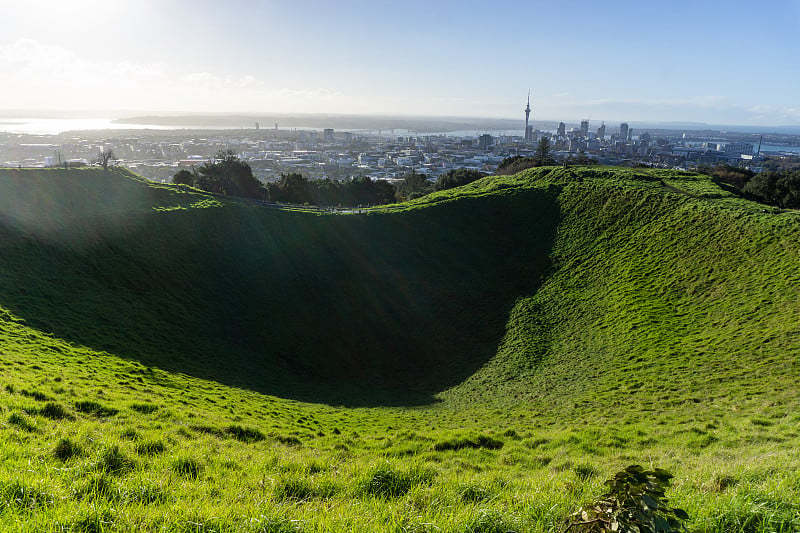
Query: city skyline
715	62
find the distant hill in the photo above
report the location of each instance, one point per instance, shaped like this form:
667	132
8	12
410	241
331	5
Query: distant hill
573	288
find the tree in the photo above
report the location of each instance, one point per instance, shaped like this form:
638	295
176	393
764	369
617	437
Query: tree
542	155
414	185
183	177
738	177
781	189
227	174
104	156
456	178
292	188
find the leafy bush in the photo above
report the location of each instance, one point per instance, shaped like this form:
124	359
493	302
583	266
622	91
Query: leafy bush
635	503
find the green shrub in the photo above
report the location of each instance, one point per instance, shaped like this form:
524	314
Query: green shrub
634	503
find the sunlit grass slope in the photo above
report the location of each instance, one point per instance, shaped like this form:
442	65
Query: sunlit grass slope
503	348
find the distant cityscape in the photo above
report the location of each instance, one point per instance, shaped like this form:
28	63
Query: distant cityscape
392	153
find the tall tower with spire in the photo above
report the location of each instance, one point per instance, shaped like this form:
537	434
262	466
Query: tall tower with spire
527	117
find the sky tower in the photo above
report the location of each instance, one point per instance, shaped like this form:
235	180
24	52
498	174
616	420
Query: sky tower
527	117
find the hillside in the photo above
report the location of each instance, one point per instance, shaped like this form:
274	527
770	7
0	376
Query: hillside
393	305
584	318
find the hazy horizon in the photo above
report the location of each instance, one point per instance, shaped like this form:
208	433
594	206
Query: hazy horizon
710	63
49	122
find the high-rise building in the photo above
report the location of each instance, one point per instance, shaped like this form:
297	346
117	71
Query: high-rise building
623	131
584	129
485	141
601	131
328	135
737	150
528	116
562	129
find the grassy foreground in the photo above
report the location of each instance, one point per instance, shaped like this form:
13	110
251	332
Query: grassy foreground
476	361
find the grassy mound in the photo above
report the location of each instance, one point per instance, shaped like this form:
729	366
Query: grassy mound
568	323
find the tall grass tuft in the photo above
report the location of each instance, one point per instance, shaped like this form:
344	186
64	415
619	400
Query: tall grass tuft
18	496
22	422
55	411
244	434
144	408
114	461
385	481
491	521
95	409
187	467
479	441
66	449
151	448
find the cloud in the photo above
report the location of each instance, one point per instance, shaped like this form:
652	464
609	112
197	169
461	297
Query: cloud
45	76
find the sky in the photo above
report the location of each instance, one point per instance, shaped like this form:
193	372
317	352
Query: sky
715	61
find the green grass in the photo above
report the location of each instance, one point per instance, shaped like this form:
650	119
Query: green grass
481	359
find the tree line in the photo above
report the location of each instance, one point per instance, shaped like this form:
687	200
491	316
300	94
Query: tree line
778	186
227	174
